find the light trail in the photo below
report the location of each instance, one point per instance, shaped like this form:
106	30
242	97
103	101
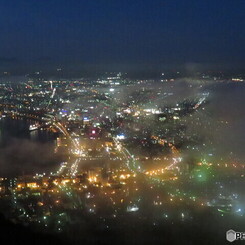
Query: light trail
74	167
65	132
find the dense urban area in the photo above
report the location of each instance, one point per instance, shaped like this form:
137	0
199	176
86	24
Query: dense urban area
124	156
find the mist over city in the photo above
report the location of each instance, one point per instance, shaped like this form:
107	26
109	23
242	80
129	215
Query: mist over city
122	122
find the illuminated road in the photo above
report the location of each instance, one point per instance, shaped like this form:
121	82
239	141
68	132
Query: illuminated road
76	150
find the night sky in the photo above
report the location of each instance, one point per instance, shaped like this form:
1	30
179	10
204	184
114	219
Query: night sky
121	35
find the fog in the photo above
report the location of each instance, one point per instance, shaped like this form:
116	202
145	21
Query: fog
221	124
24	156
